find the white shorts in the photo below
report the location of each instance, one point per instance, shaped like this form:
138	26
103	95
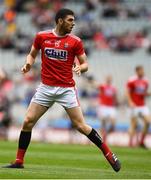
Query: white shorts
47	95
140	111
106	112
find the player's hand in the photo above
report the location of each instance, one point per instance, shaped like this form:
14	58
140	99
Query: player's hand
26	68
77	69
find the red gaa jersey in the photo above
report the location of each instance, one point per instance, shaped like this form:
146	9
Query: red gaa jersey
58	54
137	88
107	95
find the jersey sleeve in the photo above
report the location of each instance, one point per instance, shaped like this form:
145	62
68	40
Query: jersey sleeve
101	88
37	41
79	49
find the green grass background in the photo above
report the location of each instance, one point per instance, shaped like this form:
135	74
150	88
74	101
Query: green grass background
74	162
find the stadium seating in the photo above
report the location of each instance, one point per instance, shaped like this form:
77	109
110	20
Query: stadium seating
102	62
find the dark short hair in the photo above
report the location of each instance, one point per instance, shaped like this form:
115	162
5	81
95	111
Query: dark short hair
138	67
62	13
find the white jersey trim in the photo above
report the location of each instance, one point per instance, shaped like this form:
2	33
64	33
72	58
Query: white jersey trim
133	78
45	32
54	33
75	37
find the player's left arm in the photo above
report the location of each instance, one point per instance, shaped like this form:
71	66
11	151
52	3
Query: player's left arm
116	100
148	94
82	66
30	60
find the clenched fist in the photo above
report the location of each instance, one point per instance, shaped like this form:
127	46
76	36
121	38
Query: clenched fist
77	69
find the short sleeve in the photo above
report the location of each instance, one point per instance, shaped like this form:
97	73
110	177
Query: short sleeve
79	49
101	87
37	41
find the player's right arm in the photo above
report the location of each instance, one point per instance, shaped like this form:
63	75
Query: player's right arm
129	99
30	60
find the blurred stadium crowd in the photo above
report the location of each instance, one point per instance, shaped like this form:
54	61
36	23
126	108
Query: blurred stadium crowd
117	37
91	15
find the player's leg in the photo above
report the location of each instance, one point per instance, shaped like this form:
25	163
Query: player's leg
102	115
103	130
34	112
146	120
112	119
132	130
111	124
77	118
144	111
38	106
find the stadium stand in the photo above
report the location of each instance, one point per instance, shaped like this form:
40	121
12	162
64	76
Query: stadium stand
117	36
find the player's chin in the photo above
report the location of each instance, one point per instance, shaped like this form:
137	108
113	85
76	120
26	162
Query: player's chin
68	31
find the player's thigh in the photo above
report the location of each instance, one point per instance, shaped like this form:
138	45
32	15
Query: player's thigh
103	121
146	115
76	115
34	112
112	115
77	119
112	120
133	122
147	119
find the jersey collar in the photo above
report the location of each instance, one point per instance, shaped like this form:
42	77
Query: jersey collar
54	33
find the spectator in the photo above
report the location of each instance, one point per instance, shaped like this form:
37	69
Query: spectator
100	40
6	85
111	11
5	117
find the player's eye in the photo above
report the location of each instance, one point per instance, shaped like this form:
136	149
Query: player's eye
71	20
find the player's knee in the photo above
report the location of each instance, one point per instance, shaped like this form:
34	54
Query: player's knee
28	123
80	127
133	124
132	130
147	123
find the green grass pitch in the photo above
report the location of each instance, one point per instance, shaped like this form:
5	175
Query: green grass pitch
74	162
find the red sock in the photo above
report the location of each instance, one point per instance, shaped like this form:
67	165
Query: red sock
20	156
142	139
105	149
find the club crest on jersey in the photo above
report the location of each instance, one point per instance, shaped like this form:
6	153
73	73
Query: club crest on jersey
56	54
66	45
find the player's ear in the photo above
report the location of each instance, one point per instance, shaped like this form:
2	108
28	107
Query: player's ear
60	21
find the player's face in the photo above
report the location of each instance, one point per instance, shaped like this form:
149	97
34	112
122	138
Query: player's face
109	79
140	72
68	23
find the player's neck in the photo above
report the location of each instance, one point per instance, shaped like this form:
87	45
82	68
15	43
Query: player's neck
59	32
140	77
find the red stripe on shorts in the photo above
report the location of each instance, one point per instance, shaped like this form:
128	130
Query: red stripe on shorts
76	92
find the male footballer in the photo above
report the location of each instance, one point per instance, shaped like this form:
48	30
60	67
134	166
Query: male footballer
58	50
137	91
107	110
